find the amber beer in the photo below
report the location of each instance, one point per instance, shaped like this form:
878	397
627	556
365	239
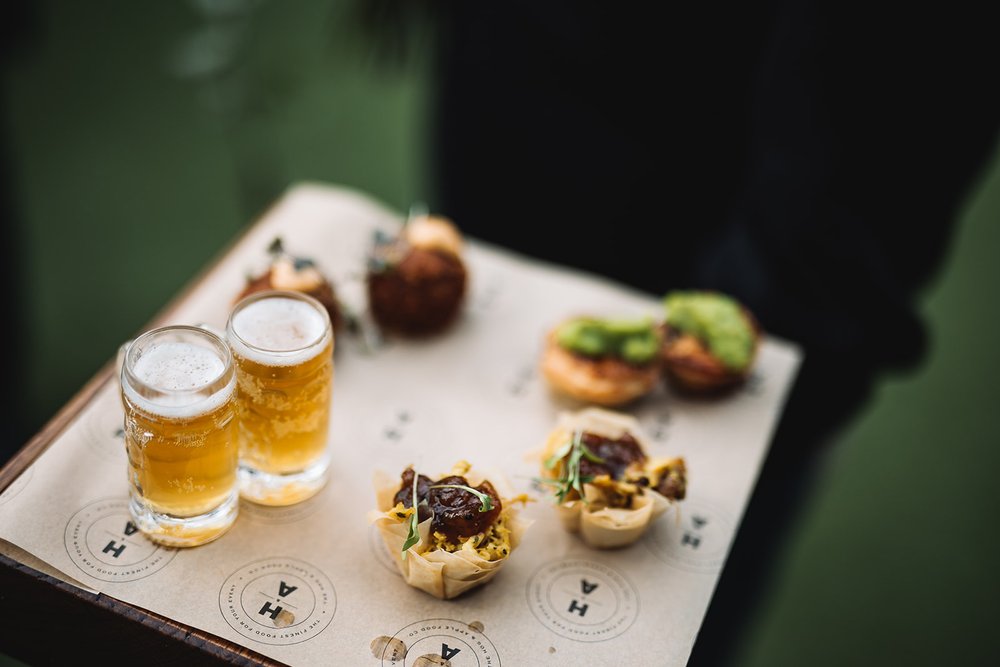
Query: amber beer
179	394
282	344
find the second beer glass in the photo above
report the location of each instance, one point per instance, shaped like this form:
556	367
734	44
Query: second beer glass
178	391
282	345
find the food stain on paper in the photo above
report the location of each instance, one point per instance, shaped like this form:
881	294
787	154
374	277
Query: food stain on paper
477	626
388	648
552	649
431	660
284	619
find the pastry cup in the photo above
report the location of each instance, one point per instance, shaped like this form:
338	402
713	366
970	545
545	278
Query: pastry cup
607	381
599	526
611	527
440	573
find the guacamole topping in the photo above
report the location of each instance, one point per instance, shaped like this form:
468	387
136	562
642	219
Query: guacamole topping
718	321
633	341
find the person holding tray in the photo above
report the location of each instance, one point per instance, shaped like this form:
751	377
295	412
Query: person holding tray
805	158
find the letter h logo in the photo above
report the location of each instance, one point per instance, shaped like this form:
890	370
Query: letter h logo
284	590
575	606
116	549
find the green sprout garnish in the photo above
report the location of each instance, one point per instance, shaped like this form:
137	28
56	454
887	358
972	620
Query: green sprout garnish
485	499
571	479
276	248
412	535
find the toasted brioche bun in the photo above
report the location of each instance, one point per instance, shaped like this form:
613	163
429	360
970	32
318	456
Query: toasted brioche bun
434	232
690	366
608	381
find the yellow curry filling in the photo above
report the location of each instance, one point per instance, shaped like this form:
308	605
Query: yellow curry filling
667	476
493	544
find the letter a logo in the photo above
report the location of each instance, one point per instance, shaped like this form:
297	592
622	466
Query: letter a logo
284	590
130	528
448	653
587	587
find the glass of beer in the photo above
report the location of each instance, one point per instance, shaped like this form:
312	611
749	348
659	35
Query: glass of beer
178	388
282	344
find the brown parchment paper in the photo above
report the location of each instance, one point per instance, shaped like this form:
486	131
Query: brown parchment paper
313	584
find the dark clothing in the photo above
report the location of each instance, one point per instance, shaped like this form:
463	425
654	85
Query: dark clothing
808	158
805	158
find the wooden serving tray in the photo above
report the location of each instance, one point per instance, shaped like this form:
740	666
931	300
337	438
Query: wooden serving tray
471	393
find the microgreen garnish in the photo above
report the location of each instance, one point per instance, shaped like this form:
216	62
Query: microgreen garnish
301	263
570	479
560	453
418	209
485	499
382	258
276	248
412	535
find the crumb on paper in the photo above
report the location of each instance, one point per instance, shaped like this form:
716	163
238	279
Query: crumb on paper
388	648
284	619
431	660
477	626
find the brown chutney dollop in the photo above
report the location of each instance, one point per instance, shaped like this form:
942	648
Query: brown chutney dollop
456	511
617	455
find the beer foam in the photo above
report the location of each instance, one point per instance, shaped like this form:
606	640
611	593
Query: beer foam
182	368
278	331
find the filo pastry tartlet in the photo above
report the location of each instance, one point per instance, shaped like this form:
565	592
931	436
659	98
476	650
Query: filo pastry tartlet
465	530
605	486
607	362
710	341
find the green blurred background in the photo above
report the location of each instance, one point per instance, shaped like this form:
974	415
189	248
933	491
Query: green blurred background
138	140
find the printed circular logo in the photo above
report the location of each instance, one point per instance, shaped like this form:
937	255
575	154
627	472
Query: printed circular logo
279	601
16	486
103	427
582	600
438	642
697	541
381	552
103	542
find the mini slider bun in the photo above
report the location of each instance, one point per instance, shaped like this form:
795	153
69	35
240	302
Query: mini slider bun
417	281
461	544
294	274
605	362
710	342
603	454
